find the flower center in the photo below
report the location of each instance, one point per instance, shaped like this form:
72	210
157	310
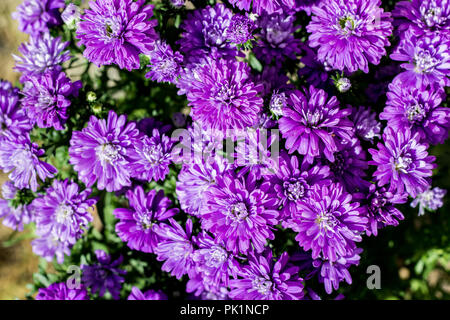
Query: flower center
225	94
415	112
63	213
145	221
262	285
153	153
312	119
237	212
295	189
433	15
402	163
326	220
108	152
347	25
218	256
424	61
339	165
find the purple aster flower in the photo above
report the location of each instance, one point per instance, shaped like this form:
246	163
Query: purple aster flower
20	157
278	102
150	157
43	53
332	273
37	16
431	200
178	3
193	180
116	32
71	16
63	211
13	119
50	246
314	71
223	96
329	223
175	248
350	34
426	59
137	224
417	108
137	294
240	213
14	217
423	16
266	279
365	123
165	65
402	162
100	152
312	124
205	34
276	38
267	6
381	210
60	291
104	275
47	97
293	181
240	29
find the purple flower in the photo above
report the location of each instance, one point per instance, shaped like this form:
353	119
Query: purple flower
240	29
417	108
381	210
60	291
278	102
116	32
240	213
193	180
402	162
13	119
104	275
223	97
329	223
312	124
137	224
150	157
50	246
365	123
63	211
71	16
293	181
426	59
165	65
37	16
137	294
43	53
100	152
175	248
20	157
265	279
271	79
205	34
276	38
350	34
47	97
423	16
14	217
431	200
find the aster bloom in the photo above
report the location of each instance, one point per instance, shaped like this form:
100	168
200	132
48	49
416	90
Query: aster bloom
104	275
240	29
116	32
276	38
431	200
175	248
240	213
266	279
99	152
47	98
278	102
41	54
51	246
205	34
20	157
426	59
193	180
350	34
137	294
63	211
402	162
150	157
329	223
332	273
381	210
417	108
312	124
14	217
137	224
423	16
223	97
165	65
293	181
37	16
13	119
365	123
71	16
60	291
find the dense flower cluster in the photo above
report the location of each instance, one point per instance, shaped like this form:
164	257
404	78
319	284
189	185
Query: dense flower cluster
279	160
